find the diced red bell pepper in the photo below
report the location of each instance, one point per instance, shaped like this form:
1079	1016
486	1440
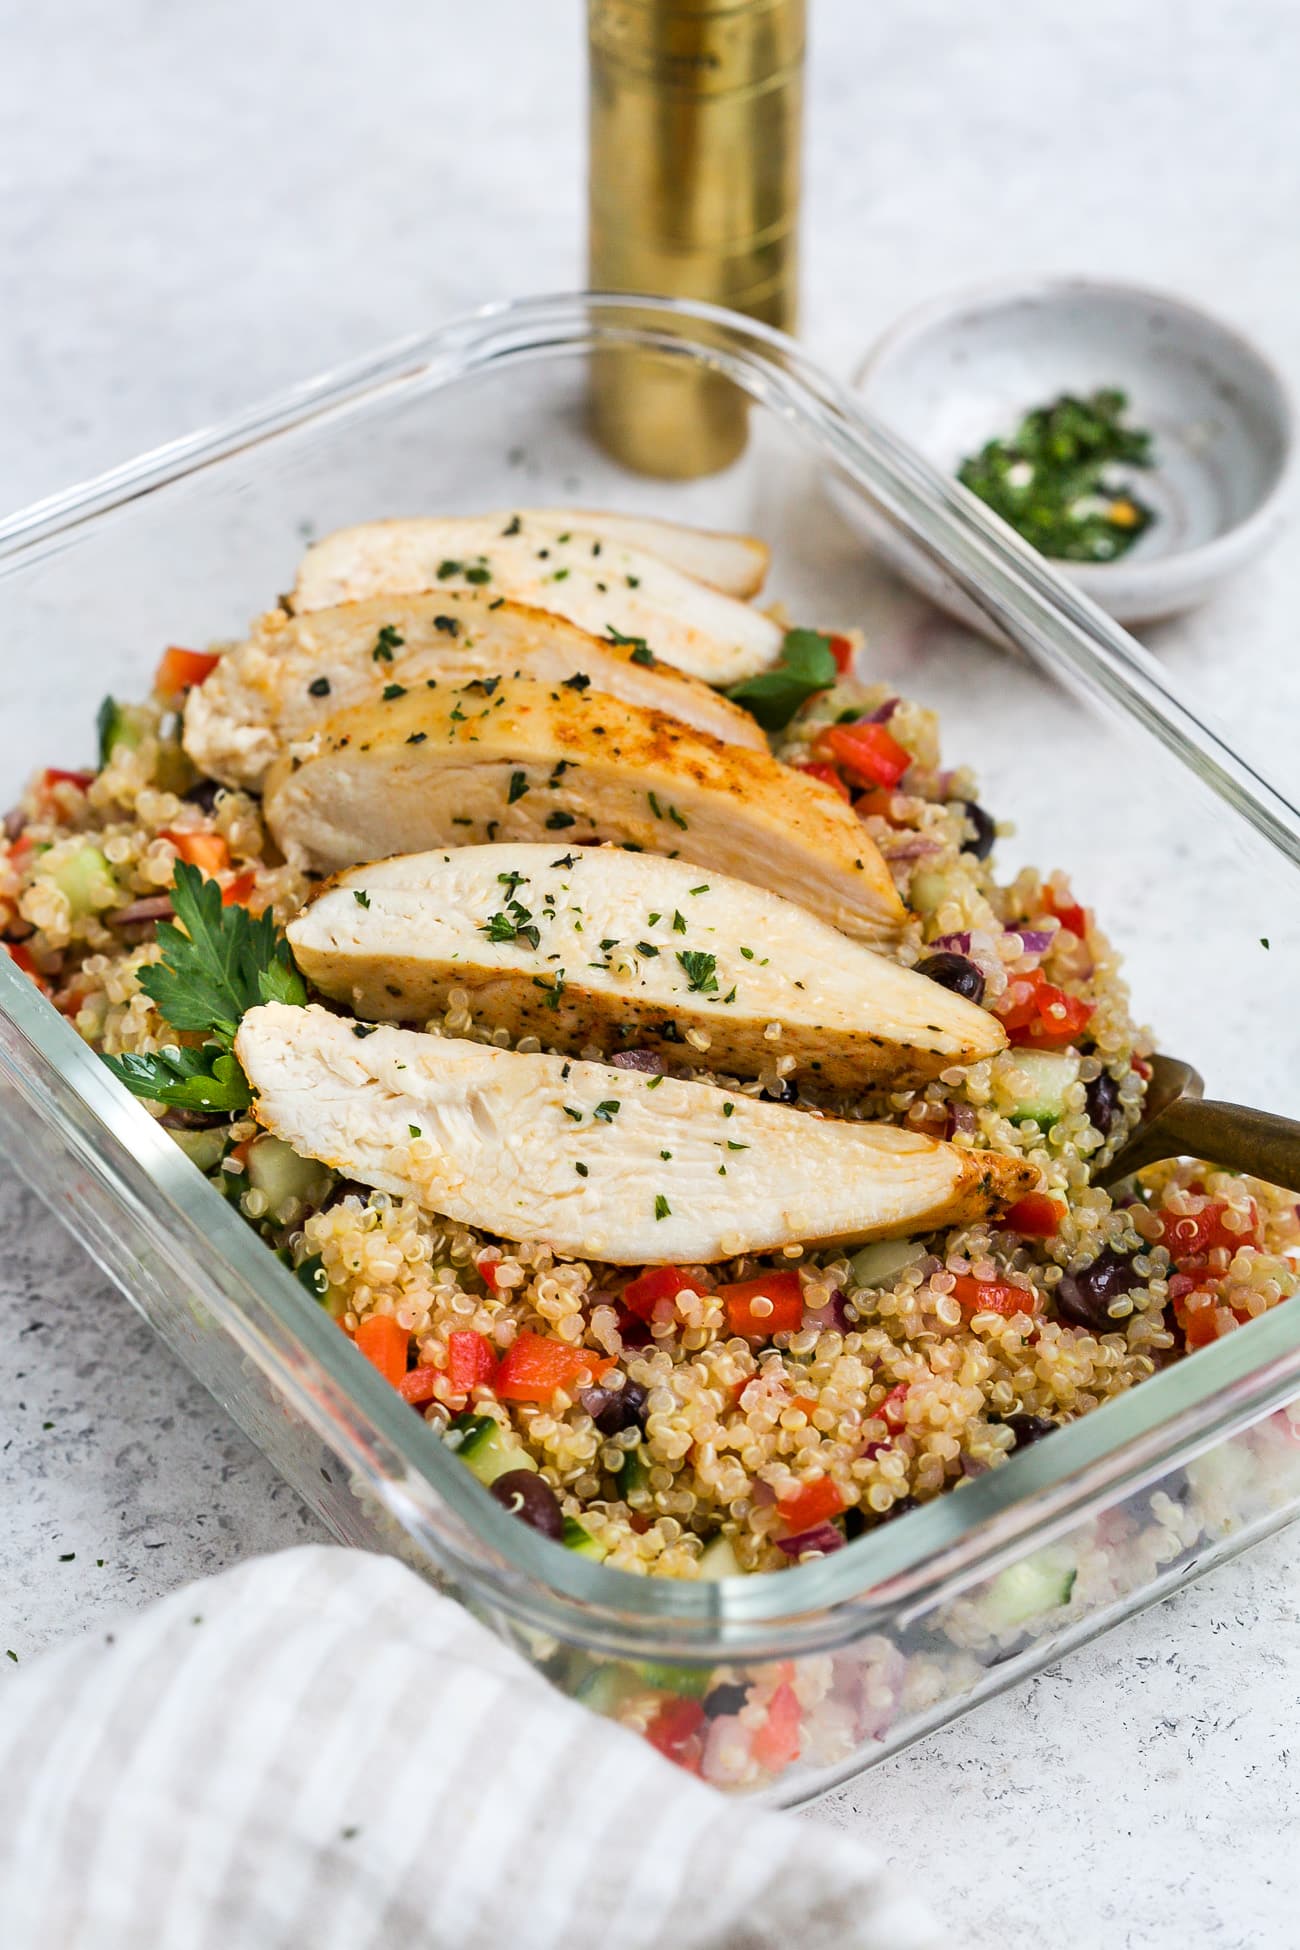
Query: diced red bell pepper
642	1295
1191	1235
206	851
471	1360
879	802
993	1296
236	892
419	1386
675	1731
776	1742
1035	1216
783	1290
20	849
535	1366
818	769
868	751
1034	1012
1142	1067
384	1344
487	1271
52	776
1068	913
842	651
180	670
21	956
1017	1006
812	1503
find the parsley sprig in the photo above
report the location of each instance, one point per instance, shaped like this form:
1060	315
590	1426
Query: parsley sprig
806	665
217	963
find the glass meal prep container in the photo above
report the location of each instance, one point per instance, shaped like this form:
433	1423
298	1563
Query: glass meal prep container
1188	856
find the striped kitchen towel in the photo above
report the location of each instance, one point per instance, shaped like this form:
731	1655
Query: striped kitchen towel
315	1751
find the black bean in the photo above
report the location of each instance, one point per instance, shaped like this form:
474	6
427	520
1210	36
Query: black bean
615	1409
1083	1299
1103	1102
1028	1428
530	1497
203	795
783	1092
985	831
956	972
727	1698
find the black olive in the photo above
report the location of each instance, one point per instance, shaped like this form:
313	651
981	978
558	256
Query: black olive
203	795
1028	1428
615	1409
985	831
901	1507
1083	1299
530	1497
956	972
1103	1102
727	1698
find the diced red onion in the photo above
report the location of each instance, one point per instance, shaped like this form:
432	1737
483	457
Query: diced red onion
882	713
1037	940
14	821
762	1496
644	1060
916	847
153	907
958	943
964	1117
833	1314
970	1467
823	1537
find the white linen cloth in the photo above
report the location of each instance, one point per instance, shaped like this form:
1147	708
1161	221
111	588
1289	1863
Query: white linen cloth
316	1751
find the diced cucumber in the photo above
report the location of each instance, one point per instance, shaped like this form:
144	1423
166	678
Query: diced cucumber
275	1169
487	1449
880	1263
605	1688
634	1476
202	1148
1036	1087
86	879
719	1560
1026	1590
928	891
119	725
577	1538
688	1682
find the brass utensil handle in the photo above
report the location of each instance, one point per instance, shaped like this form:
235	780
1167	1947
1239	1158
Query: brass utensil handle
1232	1135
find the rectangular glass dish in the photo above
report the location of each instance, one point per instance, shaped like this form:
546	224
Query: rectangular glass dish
1190	858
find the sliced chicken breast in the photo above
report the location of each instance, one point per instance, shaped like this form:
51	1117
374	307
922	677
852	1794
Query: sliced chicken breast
297	671
736	564
597	1162
514	760
599	947
603	586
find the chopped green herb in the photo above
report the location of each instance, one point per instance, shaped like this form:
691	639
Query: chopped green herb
363	1029
747	954
728	1109
646	948
581	1170
390	639
319	687
513	526
654	1082
699	968
578	682
557	821
665	1155
679	921
417	737
608	1111
654	805
733	1146
510	881
449	625
391	691
518	787
703	888
569	1111
478	573
806	665
663	1210
1050	479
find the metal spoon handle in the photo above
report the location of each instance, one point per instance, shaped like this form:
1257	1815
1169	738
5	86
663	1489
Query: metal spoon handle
1232	1135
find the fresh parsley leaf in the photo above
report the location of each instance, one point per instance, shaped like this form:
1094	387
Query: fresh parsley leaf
388	640
663	1210
218	962
361	897
518	787
608	1111
806	666
700	970
207	1079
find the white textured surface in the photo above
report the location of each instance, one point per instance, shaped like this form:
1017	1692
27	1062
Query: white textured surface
204	204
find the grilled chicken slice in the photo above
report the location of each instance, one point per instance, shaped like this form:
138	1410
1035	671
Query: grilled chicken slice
736	564
599	585
521	761
592	1160
296	671
614	950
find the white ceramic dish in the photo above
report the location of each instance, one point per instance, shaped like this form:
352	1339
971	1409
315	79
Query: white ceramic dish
963	369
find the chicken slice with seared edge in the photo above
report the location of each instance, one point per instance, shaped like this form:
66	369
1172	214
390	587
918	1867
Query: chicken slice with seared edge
592	1160
596	946
294	672
601	586
515	760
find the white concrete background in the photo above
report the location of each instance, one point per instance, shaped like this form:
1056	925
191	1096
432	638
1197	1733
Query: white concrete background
200	204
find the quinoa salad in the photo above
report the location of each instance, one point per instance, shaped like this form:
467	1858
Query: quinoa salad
549	1182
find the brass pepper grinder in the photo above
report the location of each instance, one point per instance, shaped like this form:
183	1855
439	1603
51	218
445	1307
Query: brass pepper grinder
696	110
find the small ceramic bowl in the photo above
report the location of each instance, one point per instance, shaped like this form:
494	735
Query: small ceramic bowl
963	370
